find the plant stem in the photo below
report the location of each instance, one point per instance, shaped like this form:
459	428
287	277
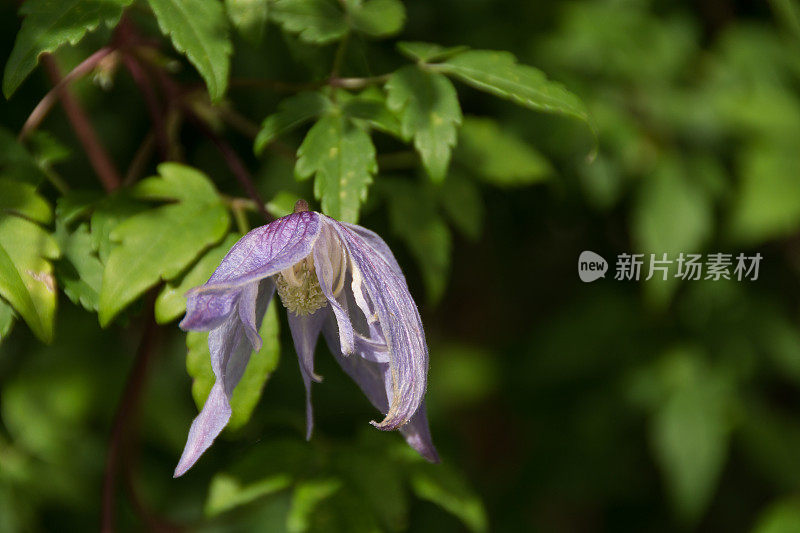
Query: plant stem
174	93
46	104
277	86
338	59
154	522
151	100
236	165
358	83
241	218
289	87
236	121
99	159
140	159
250	130
54	178
127	412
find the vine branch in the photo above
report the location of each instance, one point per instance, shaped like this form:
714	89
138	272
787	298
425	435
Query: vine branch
127	412
46	104
236	165
98	157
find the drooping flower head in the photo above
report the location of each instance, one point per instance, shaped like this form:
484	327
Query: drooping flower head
334	278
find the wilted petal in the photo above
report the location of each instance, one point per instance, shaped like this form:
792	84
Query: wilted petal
371	349
330	262
248	312
378	244
374	379
261	253
230	352
418	435
305	331
397	315
206	426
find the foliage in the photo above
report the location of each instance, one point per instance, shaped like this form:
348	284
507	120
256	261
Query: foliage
488	160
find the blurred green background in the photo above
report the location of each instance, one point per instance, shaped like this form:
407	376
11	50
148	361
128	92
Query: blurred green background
556	405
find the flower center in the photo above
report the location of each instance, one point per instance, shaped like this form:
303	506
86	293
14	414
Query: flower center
299	288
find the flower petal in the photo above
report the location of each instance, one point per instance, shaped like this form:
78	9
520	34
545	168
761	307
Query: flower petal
230	352
261	253
305	331
205	427
399	321
418	435
378	244
248	309
374	379
330	264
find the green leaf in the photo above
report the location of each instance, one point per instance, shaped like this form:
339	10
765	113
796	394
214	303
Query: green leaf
343	158
377	18
16	163
21	199
463	203
602	181
307	495
171	302
672	213
427	105
199	29
80	270
26	275
374	113
498	156
159	243
689	430
259	368
226	492
292	113
768	201
414	218
343	511
75	205
499	73
780	517
428	52
6	320
249	17
107	215
445	487
788	12
49	24
46	149
316	21
177	182
690	444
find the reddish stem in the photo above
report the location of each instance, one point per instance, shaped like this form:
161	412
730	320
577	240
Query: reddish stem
236	165
151	100
127	411
101	162
46	104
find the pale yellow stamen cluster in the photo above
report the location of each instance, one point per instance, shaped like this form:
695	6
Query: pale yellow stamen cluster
299	288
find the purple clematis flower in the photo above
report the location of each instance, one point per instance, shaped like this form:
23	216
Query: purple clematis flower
334	278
